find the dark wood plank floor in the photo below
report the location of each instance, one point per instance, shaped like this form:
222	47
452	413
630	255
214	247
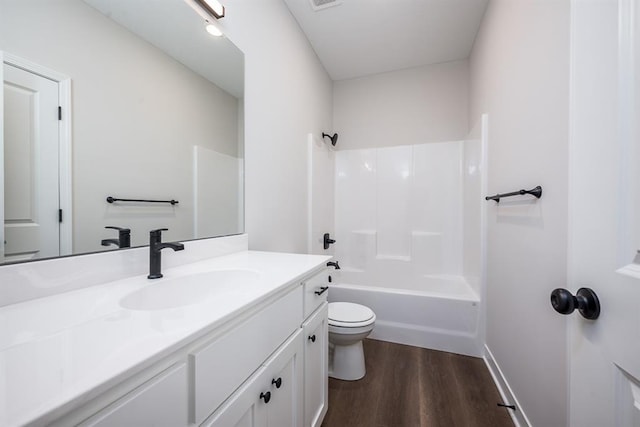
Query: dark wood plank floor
415	387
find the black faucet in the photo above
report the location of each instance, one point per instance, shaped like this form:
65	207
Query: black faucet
155	246
123	240
333	264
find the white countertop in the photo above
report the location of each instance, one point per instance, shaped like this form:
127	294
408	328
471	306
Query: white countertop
56	350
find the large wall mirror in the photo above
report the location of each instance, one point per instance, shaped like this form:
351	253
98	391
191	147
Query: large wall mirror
152	110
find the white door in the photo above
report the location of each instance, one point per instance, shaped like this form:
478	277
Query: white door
604	203
31	198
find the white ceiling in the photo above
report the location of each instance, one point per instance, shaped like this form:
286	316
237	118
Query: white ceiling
362	37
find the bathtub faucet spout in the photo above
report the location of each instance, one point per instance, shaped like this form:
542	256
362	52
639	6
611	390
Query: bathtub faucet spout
333	264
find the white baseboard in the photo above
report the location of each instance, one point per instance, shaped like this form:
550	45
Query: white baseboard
508	397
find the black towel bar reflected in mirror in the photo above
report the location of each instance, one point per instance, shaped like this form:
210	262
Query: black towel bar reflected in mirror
113	199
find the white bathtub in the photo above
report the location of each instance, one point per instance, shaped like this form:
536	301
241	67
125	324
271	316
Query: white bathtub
440	313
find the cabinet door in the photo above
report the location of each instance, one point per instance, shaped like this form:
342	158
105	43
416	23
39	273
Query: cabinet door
316	367
285	382
272	396
244	408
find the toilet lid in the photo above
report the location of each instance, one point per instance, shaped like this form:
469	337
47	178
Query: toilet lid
349	314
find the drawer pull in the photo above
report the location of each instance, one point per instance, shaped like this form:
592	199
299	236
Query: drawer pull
278	382
266	396
312	338
322	290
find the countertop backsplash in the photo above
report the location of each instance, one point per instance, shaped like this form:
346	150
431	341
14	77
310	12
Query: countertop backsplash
26	281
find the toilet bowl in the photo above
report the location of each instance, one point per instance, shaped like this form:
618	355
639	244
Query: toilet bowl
349	324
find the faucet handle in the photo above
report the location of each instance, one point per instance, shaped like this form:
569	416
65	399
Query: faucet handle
117	228
124	236
158	231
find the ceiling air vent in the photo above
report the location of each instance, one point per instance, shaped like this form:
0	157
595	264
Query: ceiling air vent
323	4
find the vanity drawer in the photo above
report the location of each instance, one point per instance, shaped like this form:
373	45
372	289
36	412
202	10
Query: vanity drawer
161	401
315	292
223	365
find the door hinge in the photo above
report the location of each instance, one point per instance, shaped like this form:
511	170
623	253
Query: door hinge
59	215
59	113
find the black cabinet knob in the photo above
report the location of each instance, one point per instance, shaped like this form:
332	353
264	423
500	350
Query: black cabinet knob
585	300
312	338
266	396
278	382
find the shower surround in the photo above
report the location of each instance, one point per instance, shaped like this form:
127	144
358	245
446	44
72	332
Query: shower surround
408	231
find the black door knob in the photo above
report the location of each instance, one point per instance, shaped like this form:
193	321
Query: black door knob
266	396
585	300
278	382
312	338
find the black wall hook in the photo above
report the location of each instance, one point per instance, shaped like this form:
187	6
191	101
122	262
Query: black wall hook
512	407
333	138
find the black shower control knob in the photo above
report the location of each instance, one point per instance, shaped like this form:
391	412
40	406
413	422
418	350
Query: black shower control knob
585	300
327	240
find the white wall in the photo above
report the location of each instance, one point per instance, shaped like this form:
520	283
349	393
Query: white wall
406	107
519	71
137	114
287	95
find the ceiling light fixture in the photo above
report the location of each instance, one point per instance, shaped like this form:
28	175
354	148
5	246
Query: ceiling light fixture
318	5
212	7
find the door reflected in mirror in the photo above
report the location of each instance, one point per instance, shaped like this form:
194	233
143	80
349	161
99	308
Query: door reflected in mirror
155	112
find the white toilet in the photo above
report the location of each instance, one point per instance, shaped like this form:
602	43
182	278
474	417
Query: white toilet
349	324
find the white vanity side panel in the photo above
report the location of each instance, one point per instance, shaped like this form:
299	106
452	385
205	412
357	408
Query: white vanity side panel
223	365
160	402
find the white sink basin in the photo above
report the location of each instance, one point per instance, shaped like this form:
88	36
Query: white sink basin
189	289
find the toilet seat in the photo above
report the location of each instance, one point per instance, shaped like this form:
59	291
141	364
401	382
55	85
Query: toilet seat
350	315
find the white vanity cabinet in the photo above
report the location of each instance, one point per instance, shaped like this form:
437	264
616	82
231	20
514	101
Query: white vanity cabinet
266	367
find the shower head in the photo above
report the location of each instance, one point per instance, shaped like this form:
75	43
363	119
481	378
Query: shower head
334	138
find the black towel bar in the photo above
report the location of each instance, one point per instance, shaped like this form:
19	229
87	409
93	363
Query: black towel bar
113	199
537	192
